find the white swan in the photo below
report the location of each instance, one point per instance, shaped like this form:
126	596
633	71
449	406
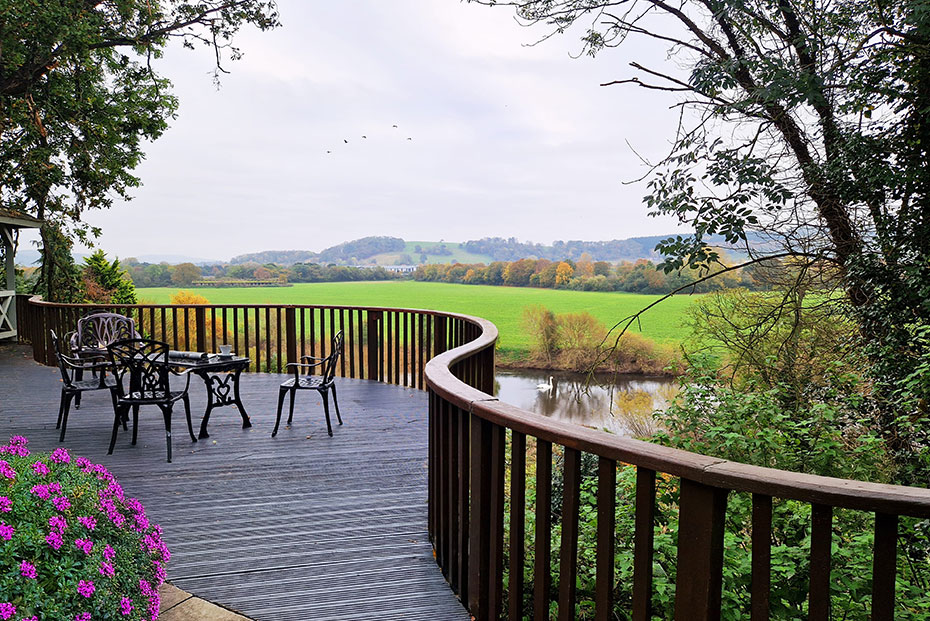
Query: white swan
546	387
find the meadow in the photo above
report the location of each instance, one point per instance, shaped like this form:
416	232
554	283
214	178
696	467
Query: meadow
502	305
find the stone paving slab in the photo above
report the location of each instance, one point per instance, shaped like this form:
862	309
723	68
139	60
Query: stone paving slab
178	605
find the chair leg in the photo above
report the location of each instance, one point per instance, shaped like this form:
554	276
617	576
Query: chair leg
78	376
290	412
187	412
166	412
61	409
117	417
277	421
336	403
135	420
64	414
329	426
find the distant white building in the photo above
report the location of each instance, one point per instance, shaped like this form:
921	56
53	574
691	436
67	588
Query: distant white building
400	269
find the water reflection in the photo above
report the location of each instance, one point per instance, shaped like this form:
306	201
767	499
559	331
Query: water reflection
621	405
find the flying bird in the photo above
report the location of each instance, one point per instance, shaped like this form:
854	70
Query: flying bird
409	138
364	136
345	141
394	126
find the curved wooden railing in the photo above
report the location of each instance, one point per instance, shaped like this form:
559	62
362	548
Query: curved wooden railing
469	459
478	458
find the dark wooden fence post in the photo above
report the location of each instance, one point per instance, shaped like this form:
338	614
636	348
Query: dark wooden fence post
702	510
290	334
200	318
439	335
374	345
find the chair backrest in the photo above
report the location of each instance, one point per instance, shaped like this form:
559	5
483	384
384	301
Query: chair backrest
98	330
329	369
145	361
60	357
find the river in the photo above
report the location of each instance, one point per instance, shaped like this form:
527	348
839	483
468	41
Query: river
619	404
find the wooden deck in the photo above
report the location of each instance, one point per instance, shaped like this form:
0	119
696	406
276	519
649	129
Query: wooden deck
297	527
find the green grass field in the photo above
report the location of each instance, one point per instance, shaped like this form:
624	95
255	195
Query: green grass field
501	305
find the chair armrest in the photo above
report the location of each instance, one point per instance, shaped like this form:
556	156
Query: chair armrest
84	364
304	364
186	373
312	358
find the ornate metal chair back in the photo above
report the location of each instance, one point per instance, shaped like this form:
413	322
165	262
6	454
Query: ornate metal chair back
329	368
60	357
98	330
146	363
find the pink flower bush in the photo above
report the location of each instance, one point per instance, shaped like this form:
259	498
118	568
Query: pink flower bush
117	559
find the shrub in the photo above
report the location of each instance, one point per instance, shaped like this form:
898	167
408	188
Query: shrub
72	545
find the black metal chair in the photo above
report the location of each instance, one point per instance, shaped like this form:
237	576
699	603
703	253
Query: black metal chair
322	383
144	363
72	386
94	332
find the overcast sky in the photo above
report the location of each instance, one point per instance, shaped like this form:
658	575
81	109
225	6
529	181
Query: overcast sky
494	137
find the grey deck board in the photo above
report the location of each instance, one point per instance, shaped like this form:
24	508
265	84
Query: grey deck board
279	529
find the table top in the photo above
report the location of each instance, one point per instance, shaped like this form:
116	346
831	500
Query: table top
183	359
214	362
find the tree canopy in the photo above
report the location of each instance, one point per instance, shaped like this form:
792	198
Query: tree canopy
80	92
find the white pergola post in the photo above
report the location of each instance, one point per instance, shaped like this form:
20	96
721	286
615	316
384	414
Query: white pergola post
8	292
9	222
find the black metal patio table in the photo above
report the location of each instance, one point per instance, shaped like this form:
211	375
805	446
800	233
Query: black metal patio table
220	375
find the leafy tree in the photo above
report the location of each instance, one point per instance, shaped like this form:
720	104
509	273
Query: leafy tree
563	273
80	93
106	281
186	273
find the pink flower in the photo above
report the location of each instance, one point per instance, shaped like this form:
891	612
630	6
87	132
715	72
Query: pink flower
57	523
54	540
32	618
7	471
125	605
28	570
5	504
17	446
7	610
106	569
88	522
82	616
86	588
61	503
40	468
41	491
6	531
61	456
85	545
108	552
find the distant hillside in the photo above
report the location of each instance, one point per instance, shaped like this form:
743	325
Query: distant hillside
351	253
396	251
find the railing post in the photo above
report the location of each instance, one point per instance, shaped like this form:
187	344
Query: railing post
374	345
702	510
290	334
439	335
200	319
